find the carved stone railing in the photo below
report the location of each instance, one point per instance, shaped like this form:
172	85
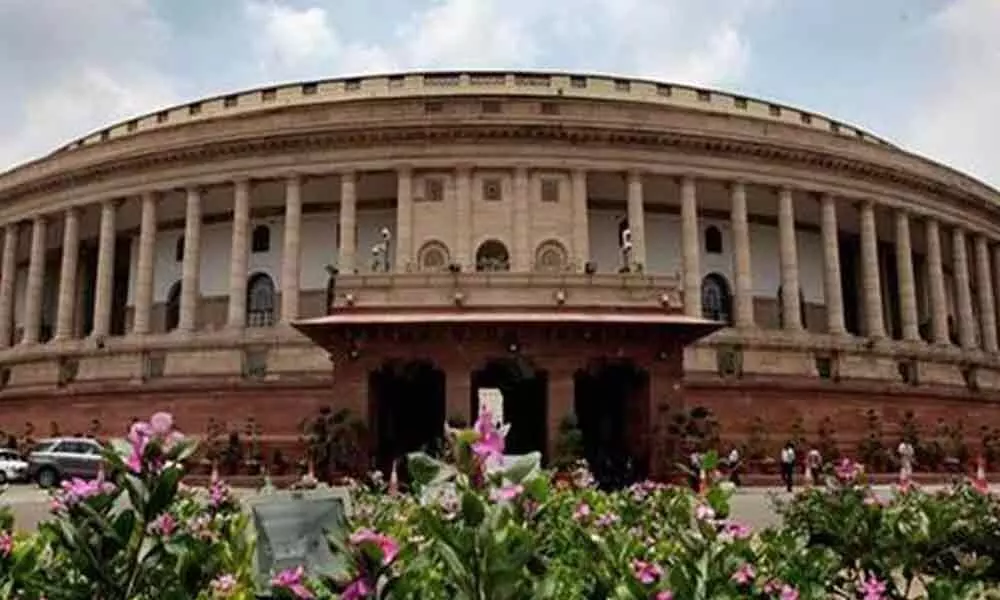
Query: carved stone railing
502	289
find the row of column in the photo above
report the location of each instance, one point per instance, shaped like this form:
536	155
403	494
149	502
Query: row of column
691	249
870	275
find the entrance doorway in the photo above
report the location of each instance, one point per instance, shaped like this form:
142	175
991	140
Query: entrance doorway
407	406
611	401
525	401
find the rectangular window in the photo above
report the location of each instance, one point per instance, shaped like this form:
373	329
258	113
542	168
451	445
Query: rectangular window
308	89
663	89
550	190
550	108
491	107
194	109
433	189
740	103
352	85
806	118
492	190
268	95
231	101
622	85
577	81
161	117
774	110
133	126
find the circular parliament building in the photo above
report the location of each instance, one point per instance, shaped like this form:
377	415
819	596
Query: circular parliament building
616	250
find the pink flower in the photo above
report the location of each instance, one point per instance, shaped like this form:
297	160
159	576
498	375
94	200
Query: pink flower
745	574
219	494
582	511
6	544
388	547
77	490
162	424
704	512
646	572
165	525
508	492
736	530
847	470
223	585
139	432
291	580
358	588
873	588
607	519
664	595
788	593
490	443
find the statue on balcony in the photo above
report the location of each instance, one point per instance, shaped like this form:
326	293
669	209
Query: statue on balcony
625	245
331	287
380	252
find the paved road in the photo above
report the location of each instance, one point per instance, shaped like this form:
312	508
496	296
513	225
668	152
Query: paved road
750	505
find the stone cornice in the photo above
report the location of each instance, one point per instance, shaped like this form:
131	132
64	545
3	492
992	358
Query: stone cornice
745	149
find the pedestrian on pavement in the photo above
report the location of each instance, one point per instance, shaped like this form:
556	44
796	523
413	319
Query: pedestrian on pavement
695	466
788	465
734	466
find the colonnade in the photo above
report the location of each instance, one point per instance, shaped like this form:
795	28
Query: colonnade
972	333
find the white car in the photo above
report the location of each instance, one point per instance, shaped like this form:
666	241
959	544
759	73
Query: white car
12	467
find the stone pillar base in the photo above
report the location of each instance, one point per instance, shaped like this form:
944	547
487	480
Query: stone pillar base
861	366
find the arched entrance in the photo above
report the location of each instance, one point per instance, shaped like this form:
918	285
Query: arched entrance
525	400
611	402
407	400
492	255
260	300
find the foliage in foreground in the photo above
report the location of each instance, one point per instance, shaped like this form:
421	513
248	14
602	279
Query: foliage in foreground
483	526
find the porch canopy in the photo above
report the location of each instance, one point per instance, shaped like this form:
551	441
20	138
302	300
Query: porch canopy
329	330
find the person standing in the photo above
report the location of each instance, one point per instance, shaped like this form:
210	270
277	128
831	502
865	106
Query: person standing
734	466
788	465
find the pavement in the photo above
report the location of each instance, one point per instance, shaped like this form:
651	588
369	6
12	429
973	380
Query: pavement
753	506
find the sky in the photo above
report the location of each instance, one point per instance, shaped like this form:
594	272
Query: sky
923	73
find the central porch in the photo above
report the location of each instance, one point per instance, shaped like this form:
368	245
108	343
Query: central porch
407	372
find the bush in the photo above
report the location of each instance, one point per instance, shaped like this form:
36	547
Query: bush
484	526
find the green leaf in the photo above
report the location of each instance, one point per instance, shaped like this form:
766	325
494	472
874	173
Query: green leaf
423	469
516	469
473	509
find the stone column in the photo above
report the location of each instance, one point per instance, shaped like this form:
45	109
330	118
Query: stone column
348	222
463	217
191	267
832	290
35	283
935	279
690	247
791	308
637	218
743	278
963	293
904	270
145	273
67	274
291	250
404	219
875	324
8	276
236	317
104	284
987	304
521	207
581	225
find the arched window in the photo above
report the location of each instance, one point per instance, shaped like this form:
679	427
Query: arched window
172	313
179	249
550	257
716	300
260	300
713	240
260	239
492	255
781	309
433	256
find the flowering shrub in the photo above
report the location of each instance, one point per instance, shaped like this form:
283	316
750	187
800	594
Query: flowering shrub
946	543
135	533
485	526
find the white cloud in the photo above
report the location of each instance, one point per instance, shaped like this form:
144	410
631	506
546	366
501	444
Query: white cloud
290	37
95	66
673	39
957	120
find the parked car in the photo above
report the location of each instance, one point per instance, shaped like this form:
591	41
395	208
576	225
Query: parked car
12	467
56	459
